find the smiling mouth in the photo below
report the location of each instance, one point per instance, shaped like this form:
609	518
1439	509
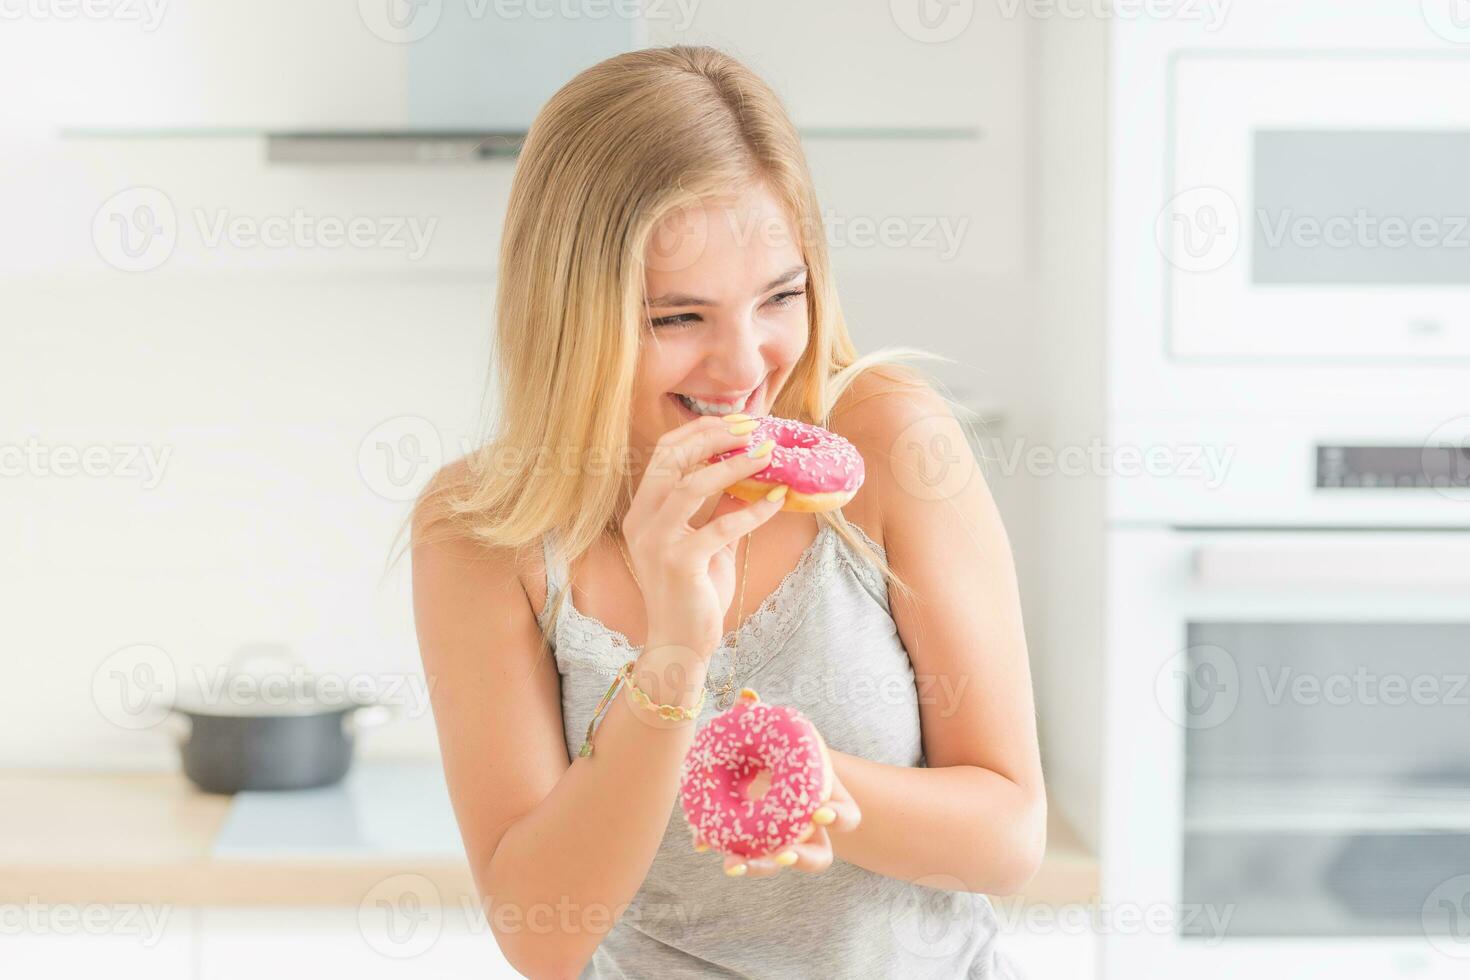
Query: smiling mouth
694	408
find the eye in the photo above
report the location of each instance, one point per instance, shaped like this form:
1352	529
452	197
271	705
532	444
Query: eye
786	298
676	320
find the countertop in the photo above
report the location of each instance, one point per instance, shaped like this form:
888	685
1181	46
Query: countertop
110	837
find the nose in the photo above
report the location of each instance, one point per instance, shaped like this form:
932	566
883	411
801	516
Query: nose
736	362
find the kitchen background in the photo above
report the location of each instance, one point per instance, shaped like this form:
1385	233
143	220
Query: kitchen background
246	275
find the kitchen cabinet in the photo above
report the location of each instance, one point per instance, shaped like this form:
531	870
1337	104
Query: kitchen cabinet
387	941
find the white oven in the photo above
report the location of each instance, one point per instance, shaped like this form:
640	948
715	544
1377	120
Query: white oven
1287	785
1317	206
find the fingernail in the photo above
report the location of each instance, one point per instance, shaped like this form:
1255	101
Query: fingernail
744	428
736	870
700	847
778	493
786	858
736	417
824	815
764	449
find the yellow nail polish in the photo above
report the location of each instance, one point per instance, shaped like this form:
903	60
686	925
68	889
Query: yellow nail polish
777	493
744	428
764	449
736	870
786	858
736	417
824	815
701	848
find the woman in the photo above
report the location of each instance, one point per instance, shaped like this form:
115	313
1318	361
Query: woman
663	277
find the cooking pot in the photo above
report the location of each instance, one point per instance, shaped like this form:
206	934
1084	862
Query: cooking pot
254	733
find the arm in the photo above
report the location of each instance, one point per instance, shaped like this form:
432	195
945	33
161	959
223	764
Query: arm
557	851
978	813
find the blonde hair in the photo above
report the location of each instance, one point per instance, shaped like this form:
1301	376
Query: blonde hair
614	151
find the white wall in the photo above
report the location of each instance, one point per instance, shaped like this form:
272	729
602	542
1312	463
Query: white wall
1071	144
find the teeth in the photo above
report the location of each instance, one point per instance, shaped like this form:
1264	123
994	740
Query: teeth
710	408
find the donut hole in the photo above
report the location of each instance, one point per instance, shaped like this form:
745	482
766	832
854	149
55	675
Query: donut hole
758	786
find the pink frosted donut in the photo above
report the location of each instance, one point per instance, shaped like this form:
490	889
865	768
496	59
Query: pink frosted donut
822	469
729	753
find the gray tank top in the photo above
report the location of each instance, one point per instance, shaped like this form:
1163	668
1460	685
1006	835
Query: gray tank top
825	642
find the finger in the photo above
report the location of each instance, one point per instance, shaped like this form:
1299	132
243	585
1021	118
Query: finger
814	854
728	528
840	813
685	449
681	450
750	867
688	494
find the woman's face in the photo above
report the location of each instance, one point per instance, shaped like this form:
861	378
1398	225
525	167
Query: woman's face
726	313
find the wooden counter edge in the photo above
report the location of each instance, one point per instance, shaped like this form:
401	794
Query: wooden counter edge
175	867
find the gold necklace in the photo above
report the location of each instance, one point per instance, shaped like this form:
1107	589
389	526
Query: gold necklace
725	694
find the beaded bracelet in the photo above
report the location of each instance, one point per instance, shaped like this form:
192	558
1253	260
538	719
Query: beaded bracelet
671	712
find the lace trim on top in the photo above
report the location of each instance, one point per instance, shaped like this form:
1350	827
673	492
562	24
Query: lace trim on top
764	630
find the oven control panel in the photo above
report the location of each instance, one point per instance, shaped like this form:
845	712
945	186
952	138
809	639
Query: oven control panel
1393	467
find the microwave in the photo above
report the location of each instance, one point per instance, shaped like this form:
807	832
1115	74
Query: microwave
1316	206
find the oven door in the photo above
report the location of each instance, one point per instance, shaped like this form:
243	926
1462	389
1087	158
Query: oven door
1288	775
1317	206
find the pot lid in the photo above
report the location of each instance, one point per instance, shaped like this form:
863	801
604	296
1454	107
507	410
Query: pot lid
285	688
265	696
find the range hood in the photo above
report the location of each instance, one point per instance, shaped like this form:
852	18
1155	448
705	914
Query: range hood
392	81
475	78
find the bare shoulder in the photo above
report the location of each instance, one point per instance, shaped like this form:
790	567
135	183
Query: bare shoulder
888	413
439	545
882	402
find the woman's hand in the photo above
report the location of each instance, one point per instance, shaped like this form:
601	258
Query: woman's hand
688	574
811	854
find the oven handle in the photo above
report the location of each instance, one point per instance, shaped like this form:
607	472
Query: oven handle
1419	565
